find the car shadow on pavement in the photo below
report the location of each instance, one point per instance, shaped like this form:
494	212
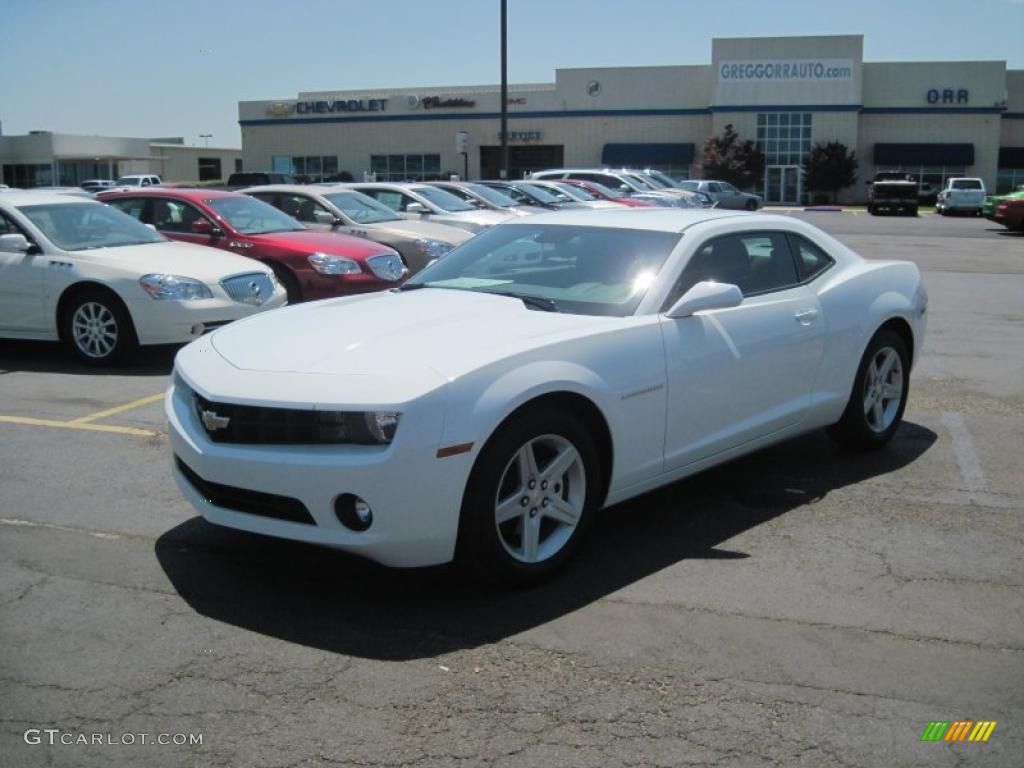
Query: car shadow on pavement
51	357
324	599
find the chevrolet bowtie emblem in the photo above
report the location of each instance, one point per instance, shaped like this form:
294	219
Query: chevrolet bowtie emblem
213	421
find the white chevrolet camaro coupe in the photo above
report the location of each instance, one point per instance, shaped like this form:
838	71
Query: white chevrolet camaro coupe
87	274
548	367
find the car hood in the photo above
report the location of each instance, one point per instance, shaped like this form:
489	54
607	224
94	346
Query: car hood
395	334
426	229
309	241
186	259
486	217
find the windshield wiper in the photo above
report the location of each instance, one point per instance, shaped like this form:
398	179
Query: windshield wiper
411	286
536	302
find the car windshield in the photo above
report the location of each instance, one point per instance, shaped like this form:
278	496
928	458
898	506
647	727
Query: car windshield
128	182
603	189
253	217
446	201
537	193
580	270
577	193
693	186
361	208
75	226
966	184
664	178
493	196
642	182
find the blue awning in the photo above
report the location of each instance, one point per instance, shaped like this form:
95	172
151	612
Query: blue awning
924	154
1011	157
647	154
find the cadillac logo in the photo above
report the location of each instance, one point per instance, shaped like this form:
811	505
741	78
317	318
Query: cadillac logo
593	88
280	109
213	421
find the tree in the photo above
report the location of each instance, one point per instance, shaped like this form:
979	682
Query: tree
830	168
728	159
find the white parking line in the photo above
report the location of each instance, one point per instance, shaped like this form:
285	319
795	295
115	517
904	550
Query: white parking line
965	453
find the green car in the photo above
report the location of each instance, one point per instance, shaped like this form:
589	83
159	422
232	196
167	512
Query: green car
988	208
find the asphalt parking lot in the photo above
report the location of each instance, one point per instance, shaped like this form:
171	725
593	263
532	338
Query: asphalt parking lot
800	607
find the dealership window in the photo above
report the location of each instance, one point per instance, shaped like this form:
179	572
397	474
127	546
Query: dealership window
209	168
425	167
316	167
238	165
935	175
1008	179
27	176
784	137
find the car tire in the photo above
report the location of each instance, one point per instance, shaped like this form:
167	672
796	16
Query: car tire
97	327
511	534
912	211
751	205
287	278
871	417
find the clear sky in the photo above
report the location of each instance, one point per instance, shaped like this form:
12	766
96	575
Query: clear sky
149	68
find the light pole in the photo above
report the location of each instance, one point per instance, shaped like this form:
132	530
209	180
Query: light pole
504	89
206	138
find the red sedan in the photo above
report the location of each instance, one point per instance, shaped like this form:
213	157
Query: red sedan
310	264
1010	213
602	192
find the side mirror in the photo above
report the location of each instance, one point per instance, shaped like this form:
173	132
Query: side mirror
15	244
325	217
206	227
706	295
416	208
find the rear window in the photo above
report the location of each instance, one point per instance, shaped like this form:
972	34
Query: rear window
967	184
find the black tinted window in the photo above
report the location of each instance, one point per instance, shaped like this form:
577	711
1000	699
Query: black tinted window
757	262
811	261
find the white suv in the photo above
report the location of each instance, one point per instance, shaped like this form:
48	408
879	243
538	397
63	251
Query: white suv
963	194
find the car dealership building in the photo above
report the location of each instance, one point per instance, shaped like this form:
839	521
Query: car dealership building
934	119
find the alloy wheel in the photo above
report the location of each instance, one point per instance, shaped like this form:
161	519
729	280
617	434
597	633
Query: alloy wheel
883	389
540	498
94	330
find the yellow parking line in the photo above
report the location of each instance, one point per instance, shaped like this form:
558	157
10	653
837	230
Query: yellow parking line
77	425
117	409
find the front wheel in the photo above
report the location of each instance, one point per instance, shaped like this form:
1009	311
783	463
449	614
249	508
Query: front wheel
751	205
879	394
530	496
98	328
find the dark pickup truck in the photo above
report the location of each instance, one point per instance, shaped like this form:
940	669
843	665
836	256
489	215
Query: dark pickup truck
893	192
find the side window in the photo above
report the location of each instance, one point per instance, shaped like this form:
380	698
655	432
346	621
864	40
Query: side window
8	227
811	261
301	207
174	215
392	200
270	198
758	262
133	206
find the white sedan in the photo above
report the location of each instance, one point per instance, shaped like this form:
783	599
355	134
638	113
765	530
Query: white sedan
546	368
87	274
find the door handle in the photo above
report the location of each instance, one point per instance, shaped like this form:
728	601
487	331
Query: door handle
806	316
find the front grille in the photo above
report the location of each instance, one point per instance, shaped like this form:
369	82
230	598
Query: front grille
244	500
232	423
253	288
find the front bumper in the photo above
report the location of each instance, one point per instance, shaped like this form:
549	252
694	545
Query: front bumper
415	497
169	321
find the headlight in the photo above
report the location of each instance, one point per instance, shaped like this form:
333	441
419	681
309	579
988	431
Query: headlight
174	287
387	266
326	264
435	249
366	427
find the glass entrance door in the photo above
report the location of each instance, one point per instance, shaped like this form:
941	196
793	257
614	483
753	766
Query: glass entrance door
782	184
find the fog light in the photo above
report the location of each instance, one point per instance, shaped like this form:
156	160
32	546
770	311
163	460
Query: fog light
352	512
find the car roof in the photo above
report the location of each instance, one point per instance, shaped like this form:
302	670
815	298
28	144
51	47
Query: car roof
18	197
197	194
305	189
658	219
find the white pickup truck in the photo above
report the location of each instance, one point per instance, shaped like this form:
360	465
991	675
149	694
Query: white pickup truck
964	194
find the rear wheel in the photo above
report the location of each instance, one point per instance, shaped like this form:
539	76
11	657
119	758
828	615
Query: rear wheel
531	494
879	394
97	327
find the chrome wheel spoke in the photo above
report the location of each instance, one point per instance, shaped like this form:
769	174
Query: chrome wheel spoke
887	363
527	465
531	538
561	510
877	415
892	392
509	509
869	402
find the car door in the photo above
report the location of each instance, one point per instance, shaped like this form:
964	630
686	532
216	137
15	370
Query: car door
22	277
739	374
